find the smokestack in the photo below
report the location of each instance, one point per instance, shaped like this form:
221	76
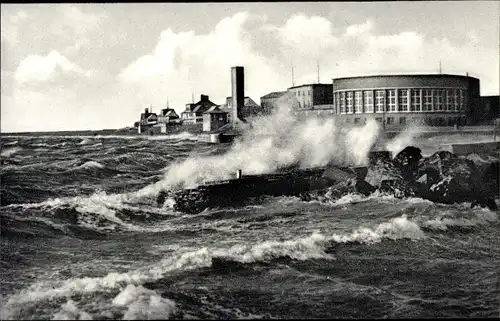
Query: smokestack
238	91
146	111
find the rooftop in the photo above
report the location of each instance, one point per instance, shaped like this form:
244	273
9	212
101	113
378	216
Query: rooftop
215	110
406	75
309	85
275	94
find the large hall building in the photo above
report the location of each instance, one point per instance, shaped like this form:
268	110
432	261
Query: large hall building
399	100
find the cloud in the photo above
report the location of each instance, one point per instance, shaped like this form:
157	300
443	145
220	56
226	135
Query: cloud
185	62
37	68
127	76
9	23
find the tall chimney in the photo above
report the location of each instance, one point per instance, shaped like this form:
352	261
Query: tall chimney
238	91
146	111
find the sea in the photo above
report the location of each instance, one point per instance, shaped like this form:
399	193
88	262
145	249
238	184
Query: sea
82	237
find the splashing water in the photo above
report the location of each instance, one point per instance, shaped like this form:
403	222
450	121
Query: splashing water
275	141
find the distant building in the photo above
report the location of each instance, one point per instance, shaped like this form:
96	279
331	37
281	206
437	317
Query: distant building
214	119
269	102
249	108
147	121
148	118
312	95
400	100
194	112
167	115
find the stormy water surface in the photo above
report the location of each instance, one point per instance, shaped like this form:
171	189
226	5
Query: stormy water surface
83	238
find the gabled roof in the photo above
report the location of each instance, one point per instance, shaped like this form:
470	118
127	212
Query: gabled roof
247	102
275	94
168	112
215	110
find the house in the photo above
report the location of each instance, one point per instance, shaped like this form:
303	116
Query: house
148	118
250	107
214	118
147	121
269	102
167	115
194	112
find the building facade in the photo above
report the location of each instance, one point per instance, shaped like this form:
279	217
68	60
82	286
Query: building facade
214	118
193	114
308	97
167	115
399	100
269	102
249	108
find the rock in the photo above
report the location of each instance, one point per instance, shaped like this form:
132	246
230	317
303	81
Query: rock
160	199
488	181
440	156
335	175
407	161
361	172
364	188
376	157
398	187
382	171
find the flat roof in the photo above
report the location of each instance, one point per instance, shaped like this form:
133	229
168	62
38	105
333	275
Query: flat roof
309	85
407	75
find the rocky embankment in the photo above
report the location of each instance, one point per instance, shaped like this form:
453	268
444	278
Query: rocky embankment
442	177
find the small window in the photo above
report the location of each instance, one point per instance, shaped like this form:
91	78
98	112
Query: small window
356	120
379	119
390	120
402	120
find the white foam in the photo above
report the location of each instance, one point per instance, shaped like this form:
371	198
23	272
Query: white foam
90	164
69	311
402	140
10	151
143	304
180	136
279	140
139	299
85	141
480	216
301	249
12	143
396	228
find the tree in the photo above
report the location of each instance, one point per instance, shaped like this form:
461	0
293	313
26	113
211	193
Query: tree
136	124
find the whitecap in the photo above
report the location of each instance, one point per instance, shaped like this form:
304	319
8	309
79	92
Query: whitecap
143	304
10	151
69	311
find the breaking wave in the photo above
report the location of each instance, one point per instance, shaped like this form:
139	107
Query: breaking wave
10	151
85	141
90	164
274	142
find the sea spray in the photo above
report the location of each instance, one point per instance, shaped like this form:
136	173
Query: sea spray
403	139
272	142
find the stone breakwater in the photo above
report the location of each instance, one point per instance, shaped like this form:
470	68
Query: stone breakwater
443	178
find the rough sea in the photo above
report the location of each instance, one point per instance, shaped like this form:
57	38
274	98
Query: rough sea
82	237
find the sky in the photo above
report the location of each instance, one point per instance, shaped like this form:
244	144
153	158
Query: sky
97	66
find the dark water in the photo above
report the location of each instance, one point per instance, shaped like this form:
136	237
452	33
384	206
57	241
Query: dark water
82	237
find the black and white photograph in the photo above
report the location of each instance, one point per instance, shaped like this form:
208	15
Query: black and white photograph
250	160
